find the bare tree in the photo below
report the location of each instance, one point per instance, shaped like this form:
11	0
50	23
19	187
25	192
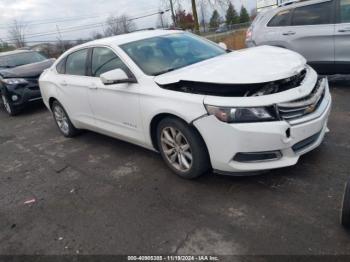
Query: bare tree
116	25
175	4
16	33
96	35
172	5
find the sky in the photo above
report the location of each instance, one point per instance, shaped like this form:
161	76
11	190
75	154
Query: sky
58	17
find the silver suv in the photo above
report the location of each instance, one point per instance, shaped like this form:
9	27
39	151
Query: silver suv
317	29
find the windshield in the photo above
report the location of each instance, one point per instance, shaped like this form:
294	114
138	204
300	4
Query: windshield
163	54
25	58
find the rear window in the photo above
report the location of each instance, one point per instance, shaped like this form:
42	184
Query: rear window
316	14
281	19
76	63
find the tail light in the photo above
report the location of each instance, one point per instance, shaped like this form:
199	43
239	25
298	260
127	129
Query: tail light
249	34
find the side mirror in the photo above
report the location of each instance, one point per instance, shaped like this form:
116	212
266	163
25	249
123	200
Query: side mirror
116	76
223	45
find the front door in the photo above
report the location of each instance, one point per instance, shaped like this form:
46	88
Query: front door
116	107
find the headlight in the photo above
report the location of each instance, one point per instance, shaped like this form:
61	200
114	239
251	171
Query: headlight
243	114
14	81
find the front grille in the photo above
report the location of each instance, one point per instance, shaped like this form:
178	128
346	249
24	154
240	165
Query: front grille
304	106
298	147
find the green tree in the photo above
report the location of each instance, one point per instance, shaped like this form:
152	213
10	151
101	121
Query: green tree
231	15
244	16
214	20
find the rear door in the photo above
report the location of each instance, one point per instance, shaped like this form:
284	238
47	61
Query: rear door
311	32
72	82
342	37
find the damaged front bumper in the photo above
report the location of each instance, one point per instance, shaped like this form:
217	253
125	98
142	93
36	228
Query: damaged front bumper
246	147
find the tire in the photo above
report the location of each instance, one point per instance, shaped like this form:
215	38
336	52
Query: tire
9	108
62	120
345	212
182	148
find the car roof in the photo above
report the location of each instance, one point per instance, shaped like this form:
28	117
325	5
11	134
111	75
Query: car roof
129	37
294	5
15	52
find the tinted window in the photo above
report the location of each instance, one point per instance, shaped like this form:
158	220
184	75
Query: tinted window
345	11
104	60
25	58
76	63
313	14
281	19
162	54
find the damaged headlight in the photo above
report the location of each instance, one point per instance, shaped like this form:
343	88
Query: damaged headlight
14	81
242	114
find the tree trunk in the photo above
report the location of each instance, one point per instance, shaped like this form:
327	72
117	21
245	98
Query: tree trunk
195	16
173	13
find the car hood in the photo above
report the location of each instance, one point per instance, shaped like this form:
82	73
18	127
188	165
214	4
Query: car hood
248	66
27	71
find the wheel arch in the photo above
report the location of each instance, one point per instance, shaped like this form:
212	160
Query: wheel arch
159	117
51	100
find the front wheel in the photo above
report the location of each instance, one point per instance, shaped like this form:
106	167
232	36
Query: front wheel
11	111
182	148
62	120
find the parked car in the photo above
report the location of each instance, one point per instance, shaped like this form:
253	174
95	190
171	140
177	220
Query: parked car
201	106
19	74
318	29
222	28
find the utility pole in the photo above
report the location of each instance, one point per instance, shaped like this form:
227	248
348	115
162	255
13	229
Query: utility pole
203	17
195	16
161	18
60	39
173	13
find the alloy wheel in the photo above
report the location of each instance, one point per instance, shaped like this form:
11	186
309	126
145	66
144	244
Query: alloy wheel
176	149
6	104
61	119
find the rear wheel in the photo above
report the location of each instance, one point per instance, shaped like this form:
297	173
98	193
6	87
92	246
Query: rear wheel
62	120
182	148
345	213
8	106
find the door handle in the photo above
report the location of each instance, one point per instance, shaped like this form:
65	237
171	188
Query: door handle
64	83
344	30
289	33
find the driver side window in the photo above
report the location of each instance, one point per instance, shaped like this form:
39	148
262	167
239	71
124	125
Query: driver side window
104	60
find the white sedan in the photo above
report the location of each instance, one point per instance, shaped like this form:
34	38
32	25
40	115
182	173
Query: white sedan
201	106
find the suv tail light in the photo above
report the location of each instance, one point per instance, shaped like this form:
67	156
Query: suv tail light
249	34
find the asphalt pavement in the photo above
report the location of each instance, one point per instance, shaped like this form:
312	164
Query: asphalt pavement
96	195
